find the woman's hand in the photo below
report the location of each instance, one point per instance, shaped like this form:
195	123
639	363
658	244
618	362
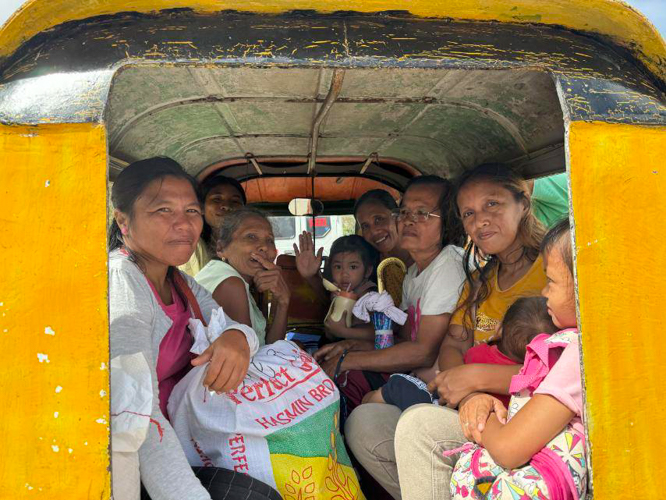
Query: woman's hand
307	263
330	365
454	384
329	355
474	412
271	280
229	358
335	349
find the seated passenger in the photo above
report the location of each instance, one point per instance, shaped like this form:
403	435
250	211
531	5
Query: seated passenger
156	226
494	206
539	448
245	254
430	293
221	196
373	216
525	319
350	267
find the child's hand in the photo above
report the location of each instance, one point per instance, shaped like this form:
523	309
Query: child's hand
474	413
373	397
307	263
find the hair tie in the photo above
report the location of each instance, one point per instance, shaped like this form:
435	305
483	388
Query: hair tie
339	365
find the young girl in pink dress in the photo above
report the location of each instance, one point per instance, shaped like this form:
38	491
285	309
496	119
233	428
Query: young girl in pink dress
538	452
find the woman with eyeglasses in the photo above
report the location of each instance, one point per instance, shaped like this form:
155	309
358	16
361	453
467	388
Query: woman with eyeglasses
430	293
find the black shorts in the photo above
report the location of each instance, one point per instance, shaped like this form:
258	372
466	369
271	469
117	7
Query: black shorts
404	391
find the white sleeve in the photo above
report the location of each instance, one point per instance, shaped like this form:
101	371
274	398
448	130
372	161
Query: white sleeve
441	293
249	333
164	469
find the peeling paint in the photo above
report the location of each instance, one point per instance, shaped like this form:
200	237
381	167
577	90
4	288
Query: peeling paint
365	43
74	301
619	288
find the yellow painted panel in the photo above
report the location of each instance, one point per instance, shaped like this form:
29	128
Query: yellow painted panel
53	313
618	189
613	18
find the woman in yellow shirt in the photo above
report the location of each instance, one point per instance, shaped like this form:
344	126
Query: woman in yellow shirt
494	206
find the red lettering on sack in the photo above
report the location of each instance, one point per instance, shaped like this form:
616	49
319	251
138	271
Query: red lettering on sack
237	447
297	408
232	395
267	424
246	392
268	389
242	468
289	388
307	362
322	390
205	459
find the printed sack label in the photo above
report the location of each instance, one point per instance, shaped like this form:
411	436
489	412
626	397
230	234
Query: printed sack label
280	426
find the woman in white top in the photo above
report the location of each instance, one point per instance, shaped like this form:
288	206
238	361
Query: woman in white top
430	293
245	254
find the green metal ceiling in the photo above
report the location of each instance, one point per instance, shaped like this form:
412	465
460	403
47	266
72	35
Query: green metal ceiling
439	121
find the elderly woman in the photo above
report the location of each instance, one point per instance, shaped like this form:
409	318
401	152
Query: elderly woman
430	292
245	254
157	223
221	195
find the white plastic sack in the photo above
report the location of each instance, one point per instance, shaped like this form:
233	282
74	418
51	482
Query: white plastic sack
131	401
280	426
125	476
131	406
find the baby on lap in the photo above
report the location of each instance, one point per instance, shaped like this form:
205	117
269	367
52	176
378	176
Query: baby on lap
525	319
